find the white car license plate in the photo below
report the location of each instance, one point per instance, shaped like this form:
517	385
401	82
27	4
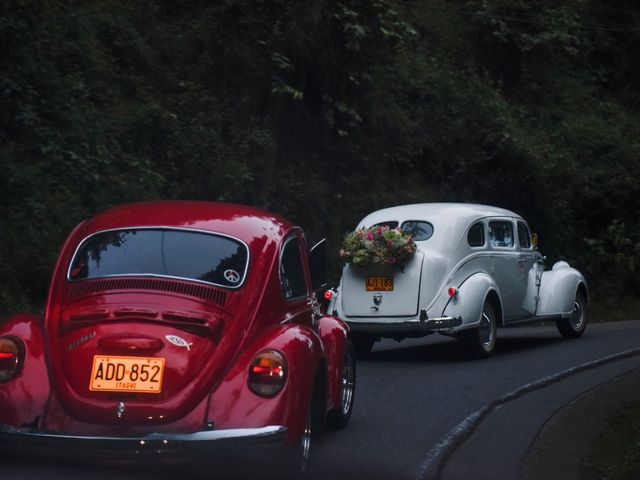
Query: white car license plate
379	283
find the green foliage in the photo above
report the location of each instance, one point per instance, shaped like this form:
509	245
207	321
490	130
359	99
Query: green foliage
616	251
321	111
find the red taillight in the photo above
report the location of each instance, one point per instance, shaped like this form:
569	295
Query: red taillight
11	357
452	291
268	373
328	294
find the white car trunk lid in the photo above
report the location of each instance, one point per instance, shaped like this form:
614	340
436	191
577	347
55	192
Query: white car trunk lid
384	291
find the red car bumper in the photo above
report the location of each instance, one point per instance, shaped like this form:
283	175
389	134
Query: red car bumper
189	446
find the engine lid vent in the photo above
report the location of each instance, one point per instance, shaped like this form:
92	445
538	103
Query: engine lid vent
85	288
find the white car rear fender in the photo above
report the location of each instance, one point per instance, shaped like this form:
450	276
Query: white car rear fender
558	288
468	302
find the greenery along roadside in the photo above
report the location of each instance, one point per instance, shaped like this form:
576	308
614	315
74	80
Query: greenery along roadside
323	112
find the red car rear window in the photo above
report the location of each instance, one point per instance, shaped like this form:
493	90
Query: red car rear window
184	254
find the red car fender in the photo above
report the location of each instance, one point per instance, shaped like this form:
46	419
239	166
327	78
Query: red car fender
333	333
23	398
234	405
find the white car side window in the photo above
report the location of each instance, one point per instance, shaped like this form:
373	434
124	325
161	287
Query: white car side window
501	233
475	237
524	237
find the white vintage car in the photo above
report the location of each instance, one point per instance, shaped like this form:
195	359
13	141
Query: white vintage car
475	268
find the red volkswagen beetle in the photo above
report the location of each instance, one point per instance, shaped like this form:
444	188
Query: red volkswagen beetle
178	327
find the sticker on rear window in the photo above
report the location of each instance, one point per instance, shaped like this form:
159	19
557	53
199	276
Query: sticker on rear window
231	276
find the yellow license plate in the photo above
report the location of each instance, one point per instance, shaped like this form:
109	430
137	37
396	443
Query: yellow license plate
379	283
126	374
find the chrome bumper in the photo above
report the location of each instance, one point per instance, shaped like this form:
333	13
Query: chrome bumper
444	322
203	443
413	326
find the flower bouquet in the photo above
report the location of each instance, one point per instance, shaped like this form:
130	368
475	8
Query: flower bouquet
378	246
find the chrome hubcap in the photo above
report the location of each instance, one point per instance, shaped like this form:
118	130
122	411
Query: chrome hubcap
486	329
576	316
348	384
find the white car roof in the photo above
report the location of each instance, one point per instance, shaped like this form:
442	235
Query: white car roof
450	220
435	213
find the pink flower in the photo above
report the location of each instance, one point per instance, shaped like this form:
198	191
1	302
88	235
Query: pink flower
389	244
379	230
369	236
391	260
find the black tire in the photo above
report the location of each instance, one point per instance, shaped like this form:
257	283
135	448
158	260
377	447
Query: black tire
481	340
305	443
298	459
339	417
576	324
362	343
314	422
294	461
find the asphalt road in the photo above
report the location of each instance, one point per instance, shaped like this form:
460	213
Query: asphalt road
410	396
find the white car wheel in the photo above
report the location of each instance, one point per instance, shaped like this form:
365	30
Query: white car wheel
482	340
575	325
